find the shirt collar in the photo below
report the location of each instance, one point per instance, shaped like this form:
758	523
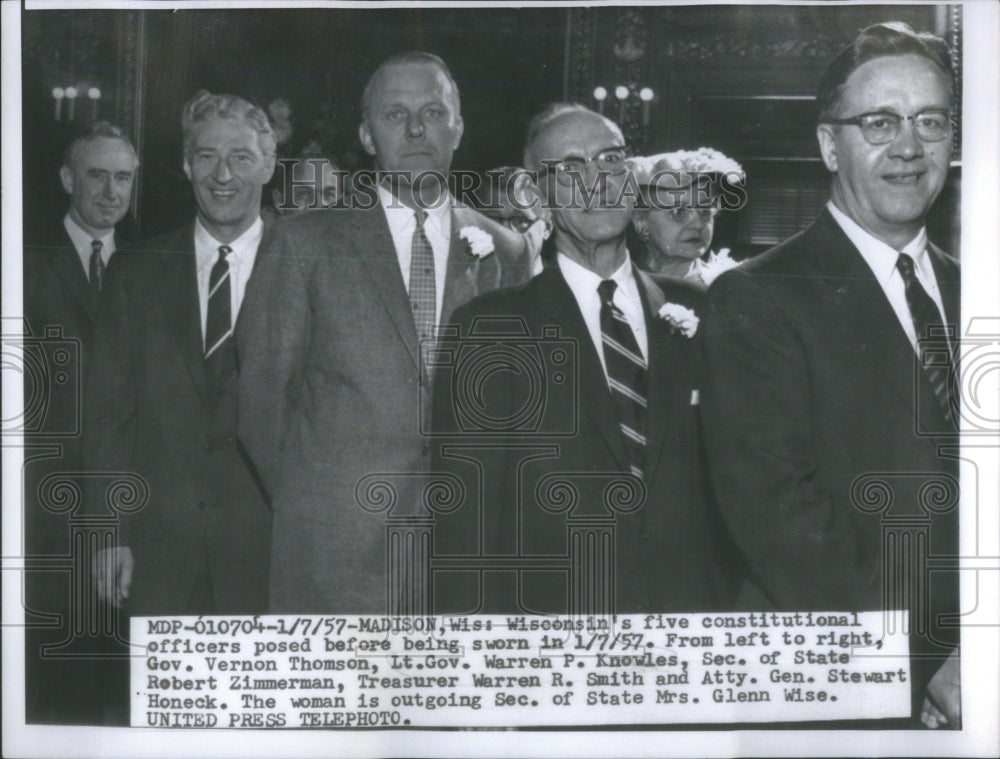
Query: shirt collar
401	218
206	247
582	280
881	258
81	238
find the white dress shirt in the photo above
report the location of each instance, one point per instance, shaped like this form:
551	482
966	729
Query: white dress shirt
583	282
206	252
402	222
82	242
881	259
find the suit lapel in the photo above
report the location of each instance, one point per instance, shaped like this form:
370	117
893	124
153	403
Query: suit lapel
555	299
258	265
374	246
66	263
880	338
461	283
179	292
949	285
665	365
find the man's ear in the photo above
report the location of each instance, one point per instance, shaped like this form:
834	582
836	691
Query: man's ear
528	198
459	131
827	146
66	177
365	134
639	222
187	168
268	168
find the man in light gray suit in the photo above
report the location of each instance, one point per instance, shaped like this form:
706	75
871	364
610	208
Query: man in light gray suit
343	302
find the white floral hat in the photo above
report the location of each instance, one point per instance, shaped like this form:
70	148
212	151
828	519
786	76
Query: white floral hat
681	162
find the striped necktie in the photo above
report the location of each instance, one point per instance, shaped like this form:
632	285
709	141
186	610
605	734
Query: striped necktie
930	329
626	376
422	289
220	355
96	269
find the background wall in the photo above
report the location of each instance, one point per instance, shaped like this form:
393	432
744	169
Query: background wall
737	78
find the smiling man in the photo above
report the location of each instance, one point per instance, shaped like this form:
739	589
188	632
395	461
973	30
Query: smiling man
64	272
162	393
341	319
830	370
633	416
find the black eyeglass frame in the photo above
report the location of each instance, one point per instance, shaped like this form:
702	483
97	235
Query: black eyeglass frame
565	176
859	121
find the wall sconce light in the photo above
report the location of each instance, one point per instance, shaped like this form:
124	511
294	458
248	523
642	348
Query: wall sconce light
70	95
58	93
646	96
600	95
622	94
94	94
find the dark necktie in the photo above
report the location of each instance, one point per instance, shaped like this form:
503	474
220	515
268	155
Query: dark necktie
626	376
96	269
422	291
929	325
220	354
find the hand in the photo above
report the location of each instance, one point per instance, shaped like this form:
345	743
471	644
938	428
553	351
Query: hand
943	704
113	574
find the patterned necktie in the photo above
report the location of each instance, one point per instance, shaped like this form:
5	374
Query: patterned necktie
423	296
96	269
220	354
930	329
626	376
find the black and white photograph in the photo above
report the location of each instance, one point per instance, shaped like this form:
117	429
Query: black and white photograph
501	379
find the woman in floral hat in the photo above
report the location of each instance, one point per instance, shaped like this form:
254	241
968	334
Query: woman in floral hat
677	226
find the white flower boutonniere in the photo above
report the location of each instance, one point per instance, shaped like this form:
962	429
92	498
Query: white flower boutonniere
716	264
681	318
480	241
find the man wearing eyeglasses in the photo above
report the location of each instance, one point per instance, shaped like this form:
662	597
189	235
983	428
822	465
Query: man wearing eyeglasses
830	371
597	503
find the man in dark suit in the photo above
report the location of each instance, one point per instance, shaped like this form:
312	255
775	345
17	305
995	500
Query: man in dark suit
63	274
332	382
829	386
63	270
162	388
597	504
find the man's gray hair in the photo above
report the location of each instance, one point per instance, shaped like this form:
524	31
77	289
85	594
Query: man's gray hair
541	120
94	131
205	106
409	58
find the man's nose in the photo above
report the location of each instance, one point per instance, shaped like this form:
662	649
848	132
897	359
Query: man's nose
107	189
222	172
414	126
592	174
907	144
